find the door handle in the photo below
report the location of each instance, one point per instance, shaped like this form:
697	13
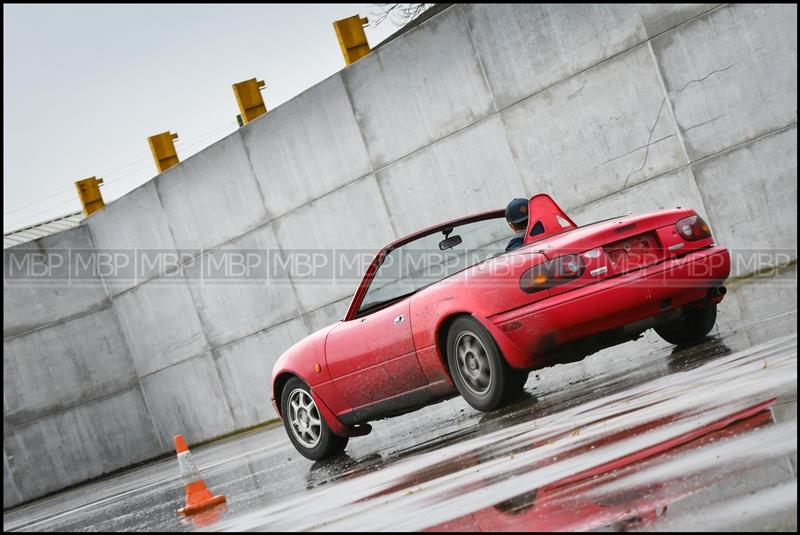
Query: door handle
399	319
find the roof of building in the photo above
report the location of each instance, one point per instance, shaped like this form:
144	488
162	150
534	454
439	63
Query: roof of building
40	230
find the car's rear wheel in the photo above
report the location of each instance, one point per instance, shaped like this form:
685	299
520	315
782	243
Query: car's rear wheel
480	373
304	424
691	327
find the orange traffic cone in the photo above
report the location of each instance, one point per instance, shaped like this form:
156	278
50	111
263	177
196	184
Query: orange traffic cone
198	497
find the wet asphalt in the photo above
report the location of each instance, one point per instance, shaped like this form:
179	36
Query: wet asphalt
641	436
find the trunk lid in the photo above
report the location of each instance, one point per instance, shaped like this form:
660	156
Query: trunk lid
613	247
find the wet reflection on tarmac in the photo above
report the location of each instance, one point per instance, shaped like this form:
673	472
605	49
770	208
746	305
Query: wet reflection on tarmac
642	436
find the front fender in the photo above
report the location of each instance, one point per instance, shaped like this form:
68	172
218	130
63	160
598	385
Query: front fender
306	360
335	424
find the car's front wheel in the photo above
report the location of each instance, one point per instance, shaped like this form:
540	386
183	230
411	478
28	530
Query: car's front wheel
691	327
480	373
305	426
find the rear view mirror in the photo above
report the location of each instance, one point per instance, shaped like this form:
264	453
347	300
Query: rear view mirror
449	243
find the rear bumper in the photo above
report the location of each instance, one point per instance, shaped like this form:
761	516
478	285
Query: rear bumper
609	304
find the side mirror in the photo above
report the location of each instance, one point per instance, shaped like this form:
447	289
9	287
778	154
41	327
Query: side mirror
449	243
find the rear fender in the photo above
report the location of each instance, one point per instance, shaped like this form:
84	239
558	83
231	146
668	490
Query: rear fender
433	309
513	355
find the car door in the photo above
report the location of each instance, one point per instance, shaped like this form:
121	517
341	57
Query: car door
372	358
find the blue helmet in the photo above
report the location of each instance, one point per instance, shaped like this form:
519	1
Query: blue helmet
517	211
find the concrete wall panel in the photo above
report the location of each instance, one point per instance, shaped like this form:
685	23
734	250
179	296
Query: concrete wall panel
240	289
775	294
350	221
133	225
471	171
751	194
526	48
599	132
188	398
160	323
658	18
418	89
83	442
50	280
742	86
320	119
661	193
327	315
11	495
213	196
245	368
69	363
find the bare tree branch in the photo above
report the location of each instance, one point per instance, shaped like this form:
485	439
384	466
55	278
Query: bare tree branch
384	13
398	14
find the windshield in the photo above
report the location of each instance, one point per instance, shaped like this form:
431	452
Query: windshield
420	263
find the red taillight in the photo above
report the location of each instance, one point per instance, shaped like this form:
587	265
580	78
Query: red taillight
552	273
693	228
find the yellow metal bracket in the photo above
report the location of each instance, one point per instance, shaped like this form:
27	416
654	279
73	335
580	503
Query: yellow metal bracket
248	96
352	39
89	194
163	149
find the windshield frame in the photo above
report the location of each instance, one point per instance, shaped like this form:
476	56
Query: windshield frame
358	297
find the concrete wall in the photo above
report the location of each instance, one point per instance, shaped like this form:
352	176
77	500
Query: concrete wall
610	108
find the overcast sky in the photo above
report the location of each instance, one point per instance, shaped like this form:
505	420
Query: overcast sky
85	85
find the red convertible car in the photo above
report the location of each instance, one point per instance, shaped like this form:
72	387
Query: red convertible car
441	313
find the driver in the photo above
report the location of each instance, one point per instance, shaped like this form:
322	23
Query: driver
517	217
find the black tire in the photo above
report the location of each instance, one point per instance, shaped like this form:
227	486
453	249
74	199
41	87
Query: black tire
327	443
690	328
481	375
